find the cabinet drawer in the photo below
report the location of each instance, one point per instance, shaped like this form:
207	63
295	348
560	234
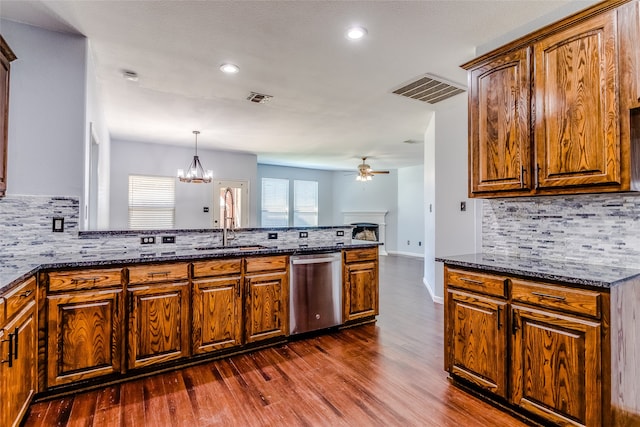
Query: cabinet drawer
562	298
477	282
84	279
158	273
19	297
225	267
266	264
355	255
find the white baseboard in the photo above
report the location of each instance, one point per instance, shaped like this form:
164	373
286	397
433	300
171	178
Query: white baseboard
436	299
409	254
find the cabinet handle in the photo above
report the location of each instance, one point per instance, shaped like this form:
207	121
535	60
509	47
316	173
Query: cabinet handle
522	172
158	273
499	321
78	280
9	359
15	343
475	282
537	176
555	297
26	293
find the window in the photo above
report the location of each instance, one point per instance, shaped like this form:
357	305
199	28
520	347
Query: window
151	202
305	204
275	202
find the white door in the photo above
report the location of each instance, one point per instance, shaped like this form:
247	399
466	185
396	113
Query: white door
240	208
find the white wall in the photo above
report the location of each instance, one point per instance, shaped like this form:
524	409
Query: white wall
46	111
429	203
379	194
455	231
129	157
411	212
325	187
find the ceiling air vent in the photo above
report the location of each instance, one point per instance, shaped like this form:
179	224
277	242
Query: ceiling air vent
259	98
429	88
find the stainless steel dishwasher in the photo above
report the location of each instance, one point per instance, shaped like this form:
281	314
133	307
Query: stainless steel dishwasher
315	300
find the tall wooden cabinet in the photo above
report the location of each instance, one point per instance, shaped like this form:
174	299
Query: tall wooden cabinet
217	305
18	377
545	111
158	310
6	56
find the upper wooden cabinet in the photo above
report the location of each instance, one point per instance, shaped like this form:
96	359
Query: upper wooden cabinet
545	111
499	124
6	56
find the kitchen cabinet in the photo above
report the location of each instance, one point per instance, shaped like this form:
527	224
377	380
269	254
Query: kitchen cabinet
18	352
360	283
84	325
544	113
217	305
158	310
477	323
499	136
547	342
6	56
266	298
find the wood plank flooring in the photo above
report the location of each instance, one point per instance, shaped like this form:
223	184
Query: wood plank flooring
384	374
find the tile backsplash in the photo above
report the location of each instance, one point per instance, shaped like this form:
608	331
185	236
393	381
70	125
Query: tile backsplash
592	228
26	228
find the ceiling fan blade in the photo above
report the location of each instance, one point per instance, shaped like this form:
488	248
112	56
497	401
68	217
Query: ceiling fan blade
378	171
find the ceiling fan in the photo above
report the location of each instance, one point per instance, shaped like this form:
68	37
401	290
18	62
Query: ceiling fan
365	172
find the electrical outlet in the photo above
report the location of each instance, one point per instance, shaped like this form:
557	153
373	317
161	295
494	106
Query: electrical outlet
58	225
147	240
463	206
340	233
303	234
408	242
272	236
419	243
168	239
205	209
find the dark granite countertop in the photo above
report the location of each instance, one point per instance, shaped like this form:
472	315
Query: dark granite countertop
15	268
570	272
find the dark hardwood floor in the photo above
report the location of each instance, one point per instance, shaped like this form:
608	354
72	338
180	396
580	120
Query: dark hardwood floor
385	374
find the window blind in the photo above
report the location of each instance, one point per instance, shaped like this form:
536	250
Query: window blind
275	202
151	202
305	203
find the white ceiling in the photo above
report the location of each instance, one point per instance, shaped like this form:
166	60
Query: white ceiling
332	97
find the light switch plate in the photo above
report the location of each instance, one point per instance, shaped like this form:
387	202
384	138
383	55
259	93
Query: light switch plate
58	225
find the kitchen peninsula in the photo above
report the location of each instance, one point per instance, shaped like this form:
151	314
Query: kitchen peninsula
83	319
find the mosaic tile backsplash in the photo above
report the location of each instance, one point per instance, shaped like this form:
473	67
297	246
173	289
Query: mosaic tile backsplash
593	228
26	228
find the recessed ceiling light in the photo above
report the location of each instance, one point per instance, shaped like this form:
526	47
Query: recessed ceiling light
229	68
130	75
356	33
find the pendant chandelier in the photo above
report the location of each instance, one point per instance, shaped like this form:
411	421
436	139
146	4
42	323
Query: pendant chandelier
195	171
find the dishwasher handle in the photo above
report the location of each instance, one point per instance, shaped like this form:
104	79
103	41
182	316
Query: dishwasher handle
298	261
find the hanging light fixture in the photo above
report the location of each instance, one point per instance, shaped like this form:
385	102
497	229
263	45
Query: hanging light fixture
195	171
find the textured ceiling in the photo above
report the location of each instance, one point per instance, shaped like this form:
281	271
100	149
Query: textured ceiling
332	100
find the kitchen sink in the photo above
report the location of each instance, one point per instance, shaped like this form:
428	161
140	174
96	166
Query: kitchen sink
231	248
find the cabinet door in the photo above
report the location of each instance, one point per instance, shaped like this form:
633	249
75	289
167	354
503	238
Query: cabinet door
266	306
84	335
499	95
477	340
217	314
556	366
6	56
576	107
360	290
18	376
158	323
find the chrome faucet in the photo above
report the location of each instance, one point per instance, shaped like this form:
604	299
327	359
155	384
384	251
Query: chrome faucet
228	226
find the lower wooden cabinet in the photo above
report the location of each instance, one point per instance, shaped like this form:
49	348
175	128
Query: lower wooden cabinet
217	305
266	298
18	355
158	323
556	366
360	283
477	325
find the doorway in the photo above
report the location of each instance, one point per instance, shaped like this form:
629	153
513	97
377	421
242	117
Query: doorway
240	191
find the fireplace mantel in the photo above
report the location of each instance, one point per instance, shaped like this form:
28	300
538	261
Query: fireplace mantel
374	217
